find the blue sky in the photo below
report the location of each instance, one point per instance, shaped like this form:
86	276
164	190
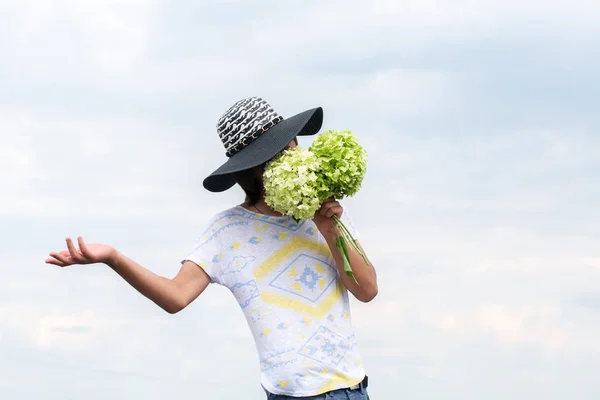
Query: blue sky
479	209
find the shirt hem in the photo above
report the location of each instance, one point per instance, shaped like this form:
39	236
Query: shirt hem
342	385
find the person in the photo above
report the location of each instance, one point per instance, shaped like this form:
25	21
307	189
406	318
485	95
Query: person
287	276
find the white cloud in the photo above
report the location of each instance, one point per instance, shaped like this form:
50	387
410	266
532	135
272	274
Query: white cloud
59	164
108	36
42	328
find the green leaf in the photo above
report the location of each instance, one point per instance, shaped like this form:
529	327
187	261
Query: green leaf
348	236
340	243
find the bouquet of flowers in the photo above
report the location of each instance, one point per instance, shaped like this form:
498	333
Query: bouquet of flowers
298	181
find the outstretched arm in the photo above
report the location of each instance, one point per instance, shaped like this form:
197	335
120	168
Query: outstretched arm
172	295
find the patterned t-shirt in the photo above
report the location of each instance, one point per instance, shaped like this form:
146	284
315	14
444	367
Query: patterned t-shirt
285	280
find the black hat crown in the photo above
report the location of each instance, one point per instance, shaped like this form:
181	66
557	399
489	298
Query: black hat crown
244	122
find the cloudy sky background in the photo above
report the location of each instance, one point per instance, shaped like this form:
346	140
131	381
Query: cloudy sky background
480	209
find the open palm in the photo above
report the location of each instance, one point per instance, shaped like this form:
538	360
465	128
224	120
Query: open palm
85	254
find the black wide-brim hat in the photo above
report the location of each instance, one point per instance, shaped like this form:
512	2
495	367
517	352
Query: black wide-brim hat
253	133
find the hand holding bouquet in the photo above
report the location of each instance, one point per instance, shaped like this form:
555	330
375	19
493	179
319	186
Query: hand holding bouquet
298	181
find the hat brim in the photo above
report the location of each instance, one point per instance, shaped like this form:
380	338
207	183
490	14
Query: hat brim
264	148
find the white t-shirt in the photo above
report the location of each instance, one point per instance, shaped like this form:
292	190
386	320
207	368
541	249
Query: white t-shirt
285	280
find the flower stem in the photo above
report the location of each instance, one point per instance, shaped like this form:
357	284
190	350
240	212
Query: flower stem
340	243
348	237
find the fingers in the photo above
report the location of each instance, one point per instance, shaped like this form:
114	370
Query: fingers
54	261
83	248
330	208
75	253
70	256
61	259
334	211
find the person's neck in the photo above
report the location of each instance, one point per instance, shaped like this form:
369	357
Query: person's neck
262	208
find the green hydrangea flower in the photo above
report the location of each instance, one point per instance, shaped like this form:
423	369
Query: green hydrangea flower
297	181
343	163
290	180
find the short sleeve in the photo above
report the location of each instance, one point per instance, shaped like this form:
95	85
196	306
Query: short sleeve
207	253
349	222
